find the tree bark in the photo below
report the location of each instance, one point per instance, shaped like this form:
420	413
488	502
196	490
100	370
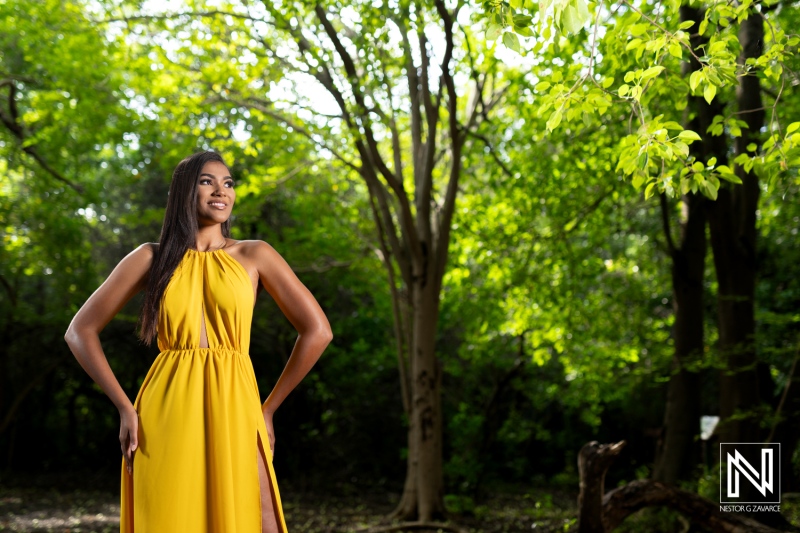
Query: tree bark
626	500
680	451
426	410
594	461
732	221
682	414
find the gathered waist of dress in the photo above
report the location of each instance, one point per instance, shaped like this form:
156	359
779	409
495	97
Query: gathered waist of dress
197	349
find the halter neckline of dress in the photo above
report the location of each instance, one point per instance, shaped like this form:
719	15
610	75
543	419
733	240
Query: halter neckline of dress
207	251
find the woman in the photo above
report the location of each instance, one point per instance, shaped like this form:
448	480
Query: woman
193	441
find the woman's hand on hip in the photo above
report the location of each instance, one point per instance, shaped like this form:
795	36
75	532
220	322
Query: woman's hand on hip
270	431
129	435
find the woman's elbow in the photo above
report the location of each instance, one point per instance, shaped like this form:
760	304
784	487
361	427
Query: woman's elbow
324	333
70	336
73	335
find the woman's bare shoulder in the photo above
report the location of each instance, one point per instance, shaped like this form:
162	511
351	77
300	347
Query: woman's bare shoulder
139	260
145	251
255	248
258	252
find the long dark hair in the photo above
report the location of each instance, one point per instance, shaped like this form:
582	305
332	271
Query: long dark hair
177	235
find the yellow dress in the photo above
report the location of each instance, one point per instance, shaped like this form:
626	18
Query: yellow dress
195	469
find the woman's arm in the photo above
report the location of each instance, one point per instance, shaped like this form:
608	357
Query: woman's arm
83	334
302	310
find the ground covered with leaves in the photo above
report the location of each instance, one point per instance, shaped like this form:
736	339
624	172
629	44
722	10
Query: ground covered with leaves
52	506
72	507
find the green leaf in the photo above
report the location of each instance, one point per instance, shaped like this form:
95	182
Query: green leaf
522	20
709	92
643	161
652	72
793	127
583	11
608	82
525	31
542	86
710	190
648	192
731	177
623	89
493	31
689	135
511	41
634	43
695	78
569	19
554	120
717	46
683	148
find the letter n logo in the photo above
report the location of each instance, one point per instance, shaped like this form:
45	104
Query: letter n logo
750	473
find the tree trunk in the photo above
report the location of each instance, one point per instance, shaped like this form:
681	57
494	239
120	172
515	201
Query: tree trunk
732	220
680	452
682	415
594	461
744	384
424	485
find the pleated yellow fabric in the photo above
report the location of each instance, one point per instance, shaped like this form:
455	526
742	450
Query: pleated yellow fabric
200	420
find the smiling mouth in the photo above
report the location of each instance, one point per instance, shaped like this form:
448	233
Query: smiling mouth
218	205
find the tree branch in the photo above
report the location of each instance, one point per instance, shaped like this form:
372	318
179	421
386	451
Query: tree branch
18	130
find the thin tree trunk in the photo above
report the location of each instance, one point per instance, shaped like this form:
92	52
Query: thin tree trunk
732	220
682	415
744	384
680	452
427	415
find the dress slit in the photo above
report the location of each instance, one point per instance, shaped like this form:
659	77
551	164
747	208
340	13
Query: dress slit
276	507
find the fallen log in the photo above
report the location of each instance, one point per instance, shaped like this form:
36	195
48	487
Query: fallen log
602	513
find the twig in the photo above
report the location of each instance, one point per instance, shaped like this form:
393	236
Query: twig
413	525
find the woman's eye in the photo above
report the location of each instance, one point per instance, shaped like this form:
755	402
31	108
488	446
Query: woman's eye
230	184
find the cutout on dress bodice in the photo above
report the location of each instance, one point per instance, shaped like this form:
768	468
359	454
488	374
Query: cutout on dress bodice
203	334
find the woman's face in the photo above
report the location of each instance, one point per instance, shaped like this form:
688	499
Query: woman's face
215	193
